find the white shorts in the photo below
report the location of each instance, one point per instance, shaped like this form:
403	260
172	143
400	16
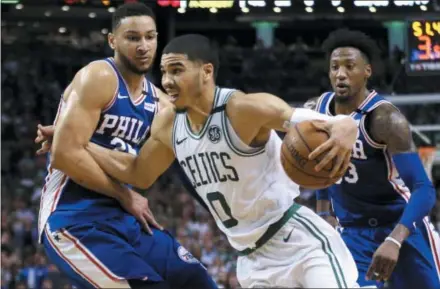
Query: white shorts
305	253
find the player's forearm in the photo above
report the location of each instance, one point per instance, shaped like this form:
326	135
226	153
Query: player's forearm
304	114
121	166
423	195
80	166
400	233
323	206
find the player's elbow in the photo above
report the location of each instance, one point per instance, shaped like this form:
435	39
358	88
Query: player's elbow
142	182
61	157
429	193
57	157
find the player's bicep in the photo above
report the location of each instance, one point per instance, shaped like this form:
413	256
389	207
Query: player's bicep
267	110
390	127
84	103
76	124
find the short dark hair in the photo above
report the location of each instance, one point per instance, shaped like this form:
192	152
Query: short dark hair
130	9
352	38
196	47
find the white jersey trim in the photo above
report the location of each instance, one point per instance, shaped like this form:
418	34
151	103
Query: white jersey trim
82	261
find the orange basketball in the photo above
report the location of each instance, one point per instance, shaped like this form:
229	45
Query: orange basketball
298	143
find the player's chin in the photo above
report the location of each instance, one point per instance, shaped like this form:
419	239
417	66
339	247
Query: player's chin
178	103
144	68
342	96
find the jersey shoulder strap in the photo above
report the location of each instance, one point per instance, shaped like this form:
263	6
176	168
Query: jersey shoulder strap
323	102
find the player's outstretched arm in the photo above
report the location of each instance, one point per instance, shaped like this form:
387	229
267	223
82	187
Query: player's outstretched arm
155	157
388	126
85	98
263	111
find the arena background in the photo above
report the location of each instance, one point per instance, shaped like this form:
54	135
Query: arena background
271	46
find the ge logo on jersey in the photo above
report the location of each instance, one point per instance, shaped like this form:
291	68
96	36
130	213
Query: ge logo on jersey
214	133
186	256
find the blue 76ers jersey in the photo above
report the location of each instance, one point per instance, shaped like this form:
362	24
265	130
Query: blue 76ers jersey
124	124
371	192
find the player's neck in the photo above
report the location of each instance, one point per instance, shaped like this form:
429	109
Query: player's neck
133	80
200	110
347	107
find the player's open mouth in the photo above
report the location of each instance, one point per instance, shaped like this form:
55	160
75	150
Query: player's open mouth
342	88
173	96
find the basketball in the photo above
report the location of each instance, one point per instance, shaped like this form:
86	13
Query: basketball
298	143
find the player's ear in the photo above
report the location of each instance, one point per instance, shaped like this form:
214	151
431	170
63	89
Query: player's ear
111	40
368	71
208	71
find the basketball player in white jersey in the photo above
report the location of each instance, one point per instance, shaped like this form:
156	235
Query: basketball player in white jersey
226	143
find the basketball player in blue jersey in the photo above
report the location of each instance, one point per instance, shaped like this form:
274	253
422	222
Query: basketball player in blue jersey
90	225
382	202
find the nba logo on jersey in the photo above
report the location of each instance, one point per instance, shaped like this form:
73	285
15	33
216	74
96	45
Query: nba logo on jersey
186	256
214	134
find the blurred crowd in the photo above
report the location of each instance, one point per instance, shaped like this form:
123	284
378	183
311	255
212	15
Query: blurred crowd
34	73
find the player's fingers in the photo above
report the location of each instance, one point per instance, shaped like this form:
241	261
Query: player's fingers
45	147
347	160
327	159
380	271
321	149
388	270
337	165
47	131
371	270
345	163
39	137
321	125
144	224
152	220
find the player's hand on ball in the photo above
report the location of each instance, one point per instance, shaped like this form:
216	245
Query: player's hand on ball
384	261
44	136
137	205
343	134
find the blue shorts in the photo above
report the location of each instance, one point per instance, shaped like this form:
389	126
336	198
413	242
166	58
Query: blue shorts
105	254
418	264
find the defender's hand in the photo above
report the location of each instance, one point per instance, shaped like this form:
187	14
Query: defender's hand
137	205
44	136
343	133
331	220
384	261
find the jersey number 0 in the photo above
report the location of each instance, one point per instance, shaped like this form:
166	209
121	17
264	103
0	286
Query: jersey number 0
218	203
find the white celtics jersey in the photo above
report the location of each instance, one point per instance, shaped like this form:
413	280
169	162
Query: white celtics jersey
245	188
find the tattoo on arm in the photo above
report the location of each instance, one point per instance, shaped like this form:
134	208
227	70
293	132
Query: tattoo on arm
311	103
390	127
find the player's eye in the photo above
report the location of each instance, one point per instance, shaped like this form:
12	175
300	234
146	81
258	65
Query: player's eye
151	36
176	71
334	67
133	38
